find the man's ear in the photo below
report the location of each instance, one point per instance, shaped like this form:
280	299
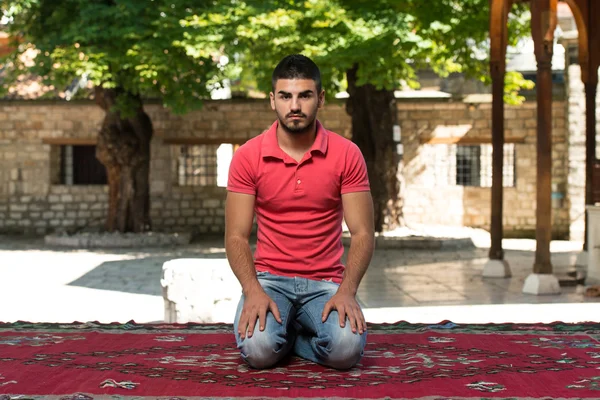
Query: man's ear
272	97
322	98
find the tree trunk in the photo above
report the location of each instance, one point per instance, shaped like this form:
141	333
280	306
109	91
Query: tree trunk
374	115
124	149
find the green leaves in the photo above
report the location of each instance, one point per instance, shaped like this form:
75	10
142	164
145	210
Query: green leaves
513	83
131	44
170	48
389	40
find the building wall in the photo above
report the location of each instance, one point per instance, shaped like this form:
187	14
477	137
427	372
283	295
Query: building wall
31	202
432	198
576	179
576	149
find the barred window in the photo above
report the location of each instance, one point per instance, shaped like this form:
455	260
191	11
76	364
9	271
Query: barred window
474	165
204	164
468	165
76	165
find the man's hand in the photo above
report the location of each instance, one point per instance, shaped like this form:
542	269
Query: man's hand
346	304
256	305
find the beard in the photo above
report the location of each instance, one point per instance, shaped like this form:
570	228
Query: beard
298	127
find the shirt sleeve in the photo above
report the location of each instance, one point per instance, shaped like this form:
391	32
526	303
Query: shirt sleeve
241	177
355	177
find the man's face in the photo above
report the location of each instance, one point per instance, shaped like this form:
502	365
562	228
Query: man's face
296	102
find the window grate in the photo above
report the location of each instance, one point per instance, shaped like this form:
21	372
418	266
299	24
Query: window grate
474	165
468	165
204	164
79	166
197	165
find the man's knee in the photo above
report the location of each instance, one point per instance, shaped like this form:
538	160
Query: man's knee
263	349
346	348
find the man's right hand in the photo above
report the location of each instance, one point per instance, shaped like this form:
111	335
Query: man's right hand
256	305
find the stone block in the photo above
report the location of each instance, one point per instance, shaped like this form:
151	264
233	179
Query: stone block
187	212
211	203
18	207
540	284
201	290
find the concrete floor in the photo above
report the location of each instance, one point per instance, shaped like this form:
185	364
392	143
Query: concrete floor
41	283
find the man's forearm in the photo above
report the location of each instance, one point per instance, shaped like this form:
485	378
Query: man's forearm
241	262
359	257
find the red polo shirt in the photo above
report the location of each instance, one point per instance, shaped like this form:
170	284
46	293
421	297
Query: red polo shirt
299	204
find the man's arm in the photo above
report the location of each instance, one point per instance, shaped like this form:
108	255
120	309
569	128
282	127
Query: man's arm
358	213
239	214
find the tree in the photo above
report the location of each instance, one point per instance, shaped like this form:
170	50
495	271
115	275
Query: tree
127	51
367	48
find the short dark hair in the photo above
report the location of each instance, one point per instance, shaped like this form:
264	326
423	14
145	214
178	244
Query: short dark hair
297	66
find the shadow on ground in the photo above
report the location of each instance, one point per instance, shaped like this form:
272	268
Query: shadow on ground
138	276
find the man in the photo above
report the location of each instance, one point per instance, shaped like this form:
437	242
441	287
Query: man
302	181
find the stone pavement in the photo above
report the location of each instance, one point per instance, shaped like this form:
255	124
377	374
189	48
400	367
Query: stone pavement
45	283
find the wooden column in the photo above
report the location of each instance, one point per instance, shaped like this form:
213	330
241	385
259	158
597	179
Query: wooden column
591	18
496	233
543	35
498	39
590	144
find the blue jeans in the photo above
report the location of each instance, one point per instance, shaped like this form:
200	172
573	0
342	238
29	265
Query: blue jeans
301	302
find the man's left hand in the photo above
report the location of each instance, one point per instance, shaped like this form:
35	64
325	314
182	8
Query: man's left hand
346	305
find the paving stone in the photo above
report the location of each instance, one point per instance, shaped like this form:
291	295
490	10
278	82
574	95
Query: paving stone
122	284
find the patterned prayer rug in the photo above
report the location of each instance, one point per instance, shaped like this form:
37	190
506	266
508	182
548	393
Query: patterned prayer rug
84	361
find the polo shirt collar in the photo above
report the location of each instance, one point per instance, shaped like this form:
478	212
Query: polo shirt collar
270	146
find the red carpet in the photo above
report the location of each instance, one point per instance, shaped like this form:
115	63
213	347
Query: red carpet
402	361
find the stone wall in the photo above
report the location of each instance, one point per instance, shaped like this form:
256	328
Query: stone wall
576	150
430	133
31	201
201	208
576	109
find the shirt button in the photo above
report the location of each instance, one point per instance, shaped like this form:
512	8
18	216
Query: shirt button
298	181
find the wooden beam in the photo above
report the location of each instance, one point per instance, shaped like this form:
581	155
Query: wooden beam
580	12
498	30
199	141
593	18
594	38
498	41
65	141
542	31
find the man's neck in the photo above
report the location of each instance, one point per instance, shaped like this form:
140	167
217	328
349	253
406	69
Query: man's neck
296	141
